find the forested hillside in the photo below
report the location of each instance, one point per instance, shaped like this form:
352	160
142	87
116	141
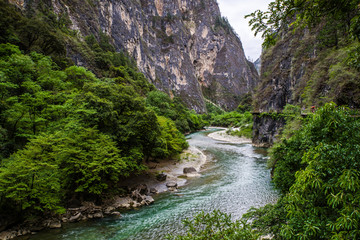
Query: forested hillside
67	133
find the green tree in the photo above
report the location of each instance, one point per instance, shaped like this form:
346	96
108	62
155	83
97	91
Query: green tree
284	14
170	142
30	179
216	225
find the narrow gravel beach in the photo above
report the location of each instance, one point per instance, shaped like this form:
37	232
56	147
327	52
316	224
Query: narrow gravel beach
223	136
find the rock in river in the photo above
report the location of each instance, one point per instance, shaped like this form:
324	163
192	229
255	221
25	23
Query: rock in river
171	185
161	177
189	170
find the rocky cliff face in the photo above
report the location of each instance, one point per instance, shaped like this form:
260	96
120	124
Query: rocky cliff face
266	129
184	47
283	70
306	68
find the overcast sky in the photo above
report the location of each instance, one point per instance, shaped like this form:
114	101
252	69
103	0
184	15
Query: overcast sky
235	10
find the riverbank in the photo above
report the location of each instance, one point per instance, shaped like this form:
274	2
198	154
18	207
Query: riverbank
161	176
223	136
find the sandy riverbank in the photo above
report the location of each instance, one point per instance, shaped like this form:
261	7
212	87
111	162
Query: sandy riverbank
223	136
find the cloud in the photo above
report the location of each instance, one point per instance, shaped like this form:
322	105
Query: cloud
235	11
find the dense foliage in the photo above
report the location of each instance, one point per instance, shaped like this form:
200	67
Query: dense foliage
186	121
215	225
317	169
239	121
66	132
338	15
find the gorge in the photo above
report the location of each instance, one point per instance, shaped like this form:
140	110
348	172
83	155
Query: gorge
95	94
185	48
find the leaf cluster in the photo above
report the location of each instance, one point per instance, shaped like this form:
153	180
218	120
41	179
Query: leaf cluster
67	133
185	120
317	170
285	14
215	225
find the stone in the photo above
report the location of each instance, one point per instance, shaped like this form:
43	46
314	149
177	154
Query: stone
161	177
108	210
116	214
189	170
55	224
98	215
136	204
153	190
135	195
143	189
171	184
149	200
126	206
75	218
8	235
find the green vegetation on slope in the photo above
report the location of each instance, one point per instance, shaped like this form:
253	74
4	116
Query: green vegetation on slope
316	65
317	170
65	132
216	225
186	121
240	119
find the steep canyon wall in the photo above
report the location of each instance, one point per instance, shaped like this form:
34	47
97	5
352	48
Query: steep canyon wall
184	47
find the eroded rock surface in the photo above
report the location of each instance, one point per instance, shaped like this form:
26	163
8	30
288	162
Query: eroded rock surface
184	47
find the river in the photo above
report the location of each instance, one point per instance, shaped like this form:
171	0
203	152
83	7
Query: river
234	179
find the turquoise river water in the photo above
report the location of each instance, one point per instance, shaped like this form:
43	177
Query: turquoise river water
234	179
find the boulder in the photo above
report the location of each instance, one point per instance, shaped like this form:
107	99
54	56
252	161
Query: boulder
55	224
153	190
98	215
116	214
8	235
148	200
109	209
189	170
51	223
122	202
143	189
161	177
75	217
171	184
135	195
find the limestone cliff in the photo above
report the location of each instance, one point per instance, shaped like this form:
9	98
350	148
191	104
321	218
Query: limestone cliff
184	47
305	68
266	129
